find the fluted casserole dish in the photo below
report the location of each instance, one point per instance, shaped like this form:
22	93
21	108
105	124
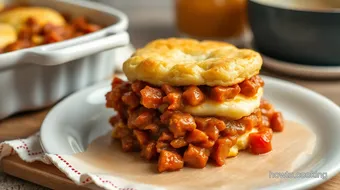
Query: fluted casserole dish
37	77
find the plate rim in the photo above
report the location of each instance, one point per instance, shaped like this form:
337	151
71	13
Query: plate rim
299	70
291	183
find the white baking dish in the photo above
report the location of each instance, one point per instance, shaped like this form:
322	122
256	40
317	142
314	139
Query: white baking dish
37	77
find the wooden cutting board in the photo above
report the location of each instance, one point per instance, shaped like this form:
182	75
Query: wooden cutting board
23	125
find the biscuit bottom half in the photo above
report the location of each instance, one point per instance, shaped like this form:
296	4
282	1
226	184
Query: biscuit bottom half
156	122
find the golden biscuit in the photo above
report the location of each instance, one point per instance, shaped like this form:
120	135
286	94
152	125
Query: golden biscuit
18	16
8	35
181	62
2	6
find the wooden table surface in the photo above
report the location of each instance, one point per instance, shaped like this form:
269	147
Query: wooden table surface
146	26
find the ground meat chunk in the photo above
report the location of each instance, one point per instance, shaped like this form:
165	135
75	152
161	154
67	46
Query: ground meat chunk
180	123
276	122
48	28
212	132
169	161
258	80
193	96
115	119
196	157
151	97
170	89
219	124
81	24
92	28
166	136
207	144
25	34
130	99
33	24
113	98
109	100
249	87
137	86
120	131
179	142
116	81
233	128
21	44
221	93
266	108
53	37
221	150
149	150
201	123
174	100
251	121
142	137
161	145
196	136
208	122
152	128
165	117
267	112
140	118
129	144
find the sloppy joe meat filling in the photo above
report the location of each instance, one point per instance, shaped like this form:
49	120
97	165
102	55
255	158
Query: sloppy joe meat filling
150	120
32	34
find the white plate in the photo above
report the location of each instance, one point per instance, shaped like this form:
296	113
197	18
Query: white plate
82	117
300	70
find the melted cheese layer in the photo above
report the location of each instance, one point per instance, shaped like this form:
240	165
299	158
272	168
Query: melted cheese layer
234	109
241	144
8	35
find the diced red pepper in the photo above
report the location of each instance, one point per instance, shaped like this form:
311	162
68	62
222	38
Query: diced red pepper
260	142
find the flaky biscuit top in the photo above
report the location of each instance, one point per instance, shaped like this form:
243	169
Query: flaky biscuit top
182	62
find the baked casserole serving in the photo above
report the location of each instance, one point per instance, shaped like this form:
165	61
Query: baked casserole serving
188	101
28	26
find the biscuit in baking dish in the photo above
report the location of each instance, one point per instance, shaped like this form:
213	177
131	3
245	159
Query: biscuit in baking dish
2	6
181	62
18	16
7	35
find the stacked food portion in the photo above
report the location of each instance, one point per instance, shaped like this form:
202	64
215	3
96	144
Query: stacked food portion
188	101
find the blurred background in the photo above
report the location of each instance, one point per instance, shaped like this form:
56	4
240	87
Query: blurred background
152	19
293	31
148	19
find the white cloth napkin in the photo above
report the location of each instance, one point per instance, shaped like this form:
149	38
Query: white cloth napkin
30	150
